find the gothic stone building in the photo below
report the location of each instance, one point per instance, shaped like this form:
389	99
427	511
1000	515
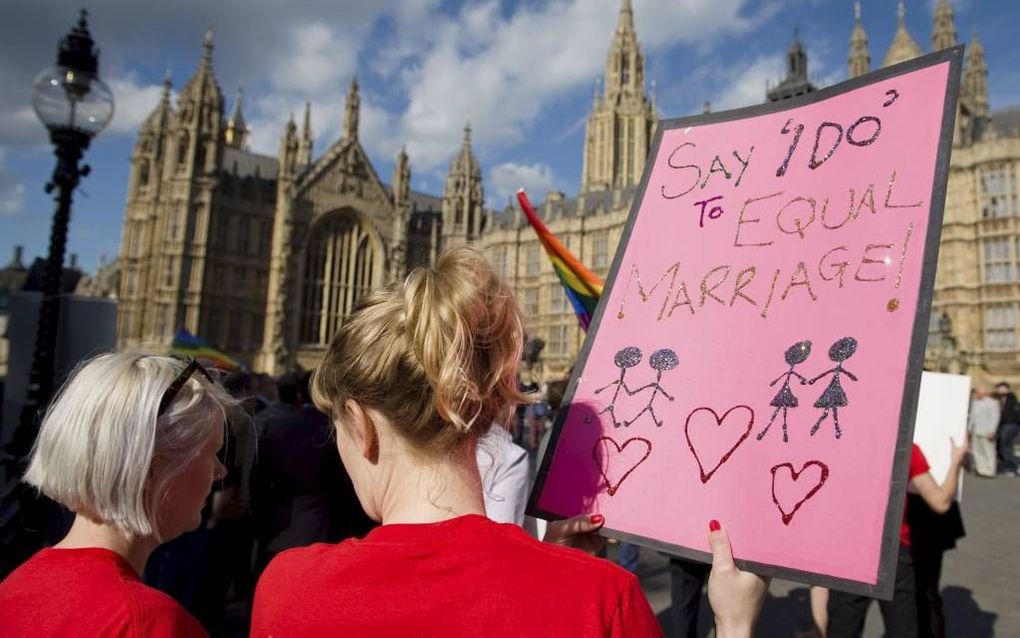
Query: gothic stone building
264	256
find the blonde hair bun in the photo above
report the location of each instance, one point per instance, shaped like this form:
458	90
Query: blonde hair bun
437	354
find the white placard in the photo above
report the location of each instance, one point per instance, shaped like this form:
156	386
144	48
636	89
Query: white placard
942	408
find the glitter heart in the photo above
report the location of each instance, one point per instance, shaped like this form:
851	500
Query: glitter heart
739	413
794	478
610	455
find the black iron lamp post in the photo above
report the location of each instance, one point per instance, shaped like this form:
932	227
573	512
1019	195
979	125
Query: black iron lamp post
74	105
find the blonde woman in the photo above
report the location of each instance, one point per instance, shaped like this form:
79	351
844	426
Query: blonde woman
130	446
411	381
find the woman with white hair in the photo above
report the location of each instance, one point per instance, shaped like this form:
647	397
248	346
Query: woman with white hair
130	446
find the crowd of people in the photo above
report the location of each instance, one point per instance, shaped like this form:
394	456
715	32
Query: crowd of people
192	495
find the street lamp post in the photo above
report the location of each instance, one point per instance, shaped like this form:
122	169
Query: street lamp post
74	104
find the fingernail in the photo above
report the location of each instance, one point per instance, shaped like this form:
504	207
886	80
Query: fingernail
714	526
597	519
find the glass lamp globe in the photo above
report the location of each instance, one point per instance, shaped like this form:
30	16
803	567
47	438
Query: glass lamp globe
66	99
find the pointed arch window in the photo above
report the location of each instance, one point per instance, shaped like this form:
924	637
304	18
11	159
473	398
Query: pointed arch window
624	69
340	268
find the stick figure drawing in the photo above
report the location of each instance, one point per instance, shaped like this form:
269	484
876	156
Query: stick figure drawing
625	358
785	399
660	361
834	396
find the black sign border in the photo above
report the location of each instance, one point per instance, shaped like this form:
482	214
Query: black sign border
883	588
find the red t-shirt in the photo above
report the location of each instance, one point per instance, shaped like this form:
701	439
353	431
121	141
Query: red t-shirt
467	576
87	592
918	466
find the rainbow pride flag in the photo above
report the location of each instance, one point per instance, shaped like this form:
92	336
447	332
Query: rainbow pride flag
188	344
583	287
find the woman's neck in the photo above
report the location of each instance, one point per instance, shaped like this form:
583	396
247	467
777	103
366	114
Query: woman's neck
421	491
87	533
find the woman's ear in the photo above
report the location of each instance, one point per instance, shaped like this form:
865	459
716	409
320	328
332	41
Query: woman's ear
362	430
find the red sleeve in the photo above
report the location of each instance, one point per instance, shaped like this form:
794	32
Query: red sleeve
633	615
918	464
167	620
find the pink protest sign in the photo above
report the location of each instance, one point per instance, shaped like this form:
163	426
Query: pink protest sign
756	355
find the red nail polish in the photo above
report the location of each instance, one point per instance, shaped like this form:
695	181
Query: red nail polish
714	526
597	519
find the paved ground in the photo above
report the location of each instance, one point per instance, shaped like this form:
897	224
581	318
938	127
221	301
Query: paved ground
980	578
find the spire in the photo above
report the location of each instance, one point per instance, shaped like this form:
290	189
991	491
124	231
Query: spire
401	177
304	157
860	57
626	21
625	74
796	58
623	112
157	120
944	35
975	77
207	45
201	94
351	112
903	46
463	197
288	149
237	129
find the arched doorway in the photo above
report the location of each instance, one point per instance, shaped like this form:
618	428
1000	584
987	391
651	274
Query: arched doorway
342	264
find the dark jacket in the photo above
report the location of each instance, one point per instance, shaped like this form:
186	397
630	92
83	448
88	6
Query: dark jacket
301	493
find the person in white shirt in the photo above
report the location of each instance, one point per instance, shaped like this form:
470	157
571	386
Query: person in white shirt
983	425
506	476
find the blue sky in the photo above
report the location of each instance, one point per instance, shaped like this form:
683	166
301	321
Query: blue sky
522	72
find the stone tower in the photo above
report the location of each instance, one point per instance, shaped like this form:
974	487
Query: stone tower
903	46
463	197
139	260
195	153
944	35
620	127
975	78
860	58
796	81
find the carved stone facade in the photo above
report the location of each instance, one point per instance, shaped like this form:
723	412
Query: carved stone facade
976	306
263	257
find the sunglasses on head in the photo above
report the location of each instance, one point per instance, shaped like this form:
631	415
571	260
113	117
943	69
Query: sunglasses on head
174	388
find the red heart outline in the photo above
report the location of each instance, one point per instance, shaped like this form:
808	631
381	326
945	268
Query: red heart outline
795	475
603	464
718	421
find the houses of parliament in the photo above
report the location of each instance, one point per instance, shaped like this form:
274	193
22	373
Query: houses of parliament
264	256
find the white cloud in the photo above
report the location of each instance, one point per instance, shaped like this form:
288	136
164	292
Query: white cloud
316	60
746	86
504	180
12	190
501	72
132	103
